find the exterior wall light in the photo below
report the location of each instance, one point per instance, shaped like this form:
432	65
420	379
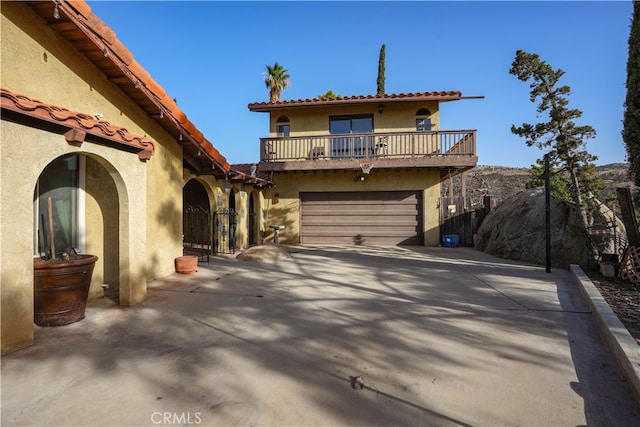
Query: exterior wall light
380	108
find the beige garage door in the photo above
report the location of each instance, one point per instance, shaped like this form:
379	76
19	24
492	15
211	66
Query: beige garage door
374	217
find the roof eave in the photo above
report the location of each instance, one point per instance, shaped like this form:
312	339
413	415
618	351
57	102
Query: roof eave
264	107
105	42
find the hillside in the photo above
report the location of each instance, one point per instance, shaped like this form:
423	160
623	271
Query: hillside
501	182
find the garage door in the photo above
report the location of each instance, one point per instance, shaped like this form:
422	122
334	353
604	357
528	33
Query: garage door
379	217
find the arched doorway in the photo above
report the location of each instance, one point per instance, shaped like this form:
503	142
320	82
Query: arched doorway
196	221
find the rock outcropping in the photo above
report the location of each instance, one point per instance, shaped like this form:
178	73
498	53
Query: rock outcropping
515	229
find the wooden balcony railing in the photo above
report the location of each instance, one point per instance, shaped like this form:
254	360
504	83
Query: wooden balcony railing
403	145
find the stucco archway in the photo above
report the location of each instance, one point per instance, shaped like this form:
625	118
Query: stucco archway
115	213
103	222
197	222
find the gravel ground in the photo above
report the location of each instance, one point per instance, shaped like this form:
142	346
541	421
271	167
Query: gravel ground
624	299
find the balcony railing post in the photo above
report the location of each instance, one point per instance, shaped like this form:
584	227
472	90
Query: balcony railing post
413	145
397	145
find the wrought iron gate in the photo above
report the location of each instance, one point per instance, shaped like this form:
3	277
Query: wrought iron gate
224	236
196	239
251	222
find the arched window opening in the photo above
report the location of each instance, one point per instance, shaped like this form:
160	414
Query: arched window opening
283	127
59	200
423	120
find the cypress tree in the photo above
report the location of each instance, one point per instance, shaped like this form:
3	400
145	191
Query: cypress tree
381	77
631	122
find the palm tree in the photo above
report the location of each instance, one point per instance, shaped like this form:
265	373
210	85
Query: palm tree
277	79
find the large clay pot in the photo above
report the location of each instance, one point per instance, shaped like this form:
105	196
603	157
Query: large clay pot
61	289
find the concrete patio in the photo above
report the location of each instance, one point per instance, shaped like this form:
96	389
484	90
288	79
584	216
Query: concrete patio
440	337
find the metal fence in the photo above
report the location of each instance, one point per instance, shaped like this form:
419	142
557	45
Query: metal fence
456	218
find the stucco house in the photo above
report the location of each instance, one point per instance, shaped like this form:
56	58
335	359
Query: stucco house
361	169
84	124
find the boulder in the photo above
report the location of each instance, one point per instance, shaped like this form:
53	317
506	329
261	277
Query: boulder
267	253
515	229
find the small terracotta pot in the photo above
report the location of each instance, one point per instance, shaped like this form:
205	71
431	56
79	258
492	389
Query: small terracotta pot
187	264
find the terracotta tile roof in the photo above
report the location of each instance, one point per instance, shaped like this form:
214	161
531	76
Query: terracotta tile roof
75	126
358	99
243	172
77	24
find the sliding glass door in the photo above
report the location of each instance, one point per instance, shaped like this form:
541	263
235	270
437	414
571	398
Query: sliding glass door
358	145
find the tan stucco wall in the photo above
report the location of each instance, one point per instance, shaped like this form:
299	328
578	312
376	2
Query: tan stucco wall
242	194
164	208
102	214
289	186
147	213
397	117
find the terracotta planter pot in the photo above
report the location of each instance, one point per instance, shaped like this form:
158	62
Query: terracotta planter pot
187	264
61	289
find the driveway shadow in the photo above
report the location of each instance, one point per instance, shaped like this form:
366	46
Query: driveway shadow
437	338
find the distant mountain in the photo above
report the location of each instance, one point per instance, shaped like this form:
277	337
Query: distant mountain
501	182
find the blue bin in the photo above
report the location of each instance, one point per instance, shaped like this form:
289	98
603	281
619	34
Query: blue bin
450	240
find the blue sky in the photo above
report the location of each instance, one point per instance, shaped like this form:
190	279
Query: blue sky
210	56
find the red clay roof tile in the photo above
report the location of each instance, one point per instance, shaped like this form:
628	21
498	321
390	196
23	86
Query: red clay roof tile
123	53
427	96
26	106
157	90
242	172
101	29
81	7
139	72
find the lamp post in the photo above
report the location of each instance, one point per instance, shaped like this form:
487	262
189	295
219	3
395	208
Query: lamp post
547	213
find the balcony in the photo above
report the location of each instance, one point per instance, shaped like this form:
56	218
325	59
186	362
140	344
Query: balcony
447	150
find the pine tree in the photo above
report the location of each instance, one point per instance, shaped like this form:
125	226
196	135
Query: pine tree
631	127
330	94
381	78
560	134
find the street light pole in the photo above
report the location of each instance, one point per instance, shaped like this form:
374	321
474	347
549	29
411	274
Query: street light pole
547	213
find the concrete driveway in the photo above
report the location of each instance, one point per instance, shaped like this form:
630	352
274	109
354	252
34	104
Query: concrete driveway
440	337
